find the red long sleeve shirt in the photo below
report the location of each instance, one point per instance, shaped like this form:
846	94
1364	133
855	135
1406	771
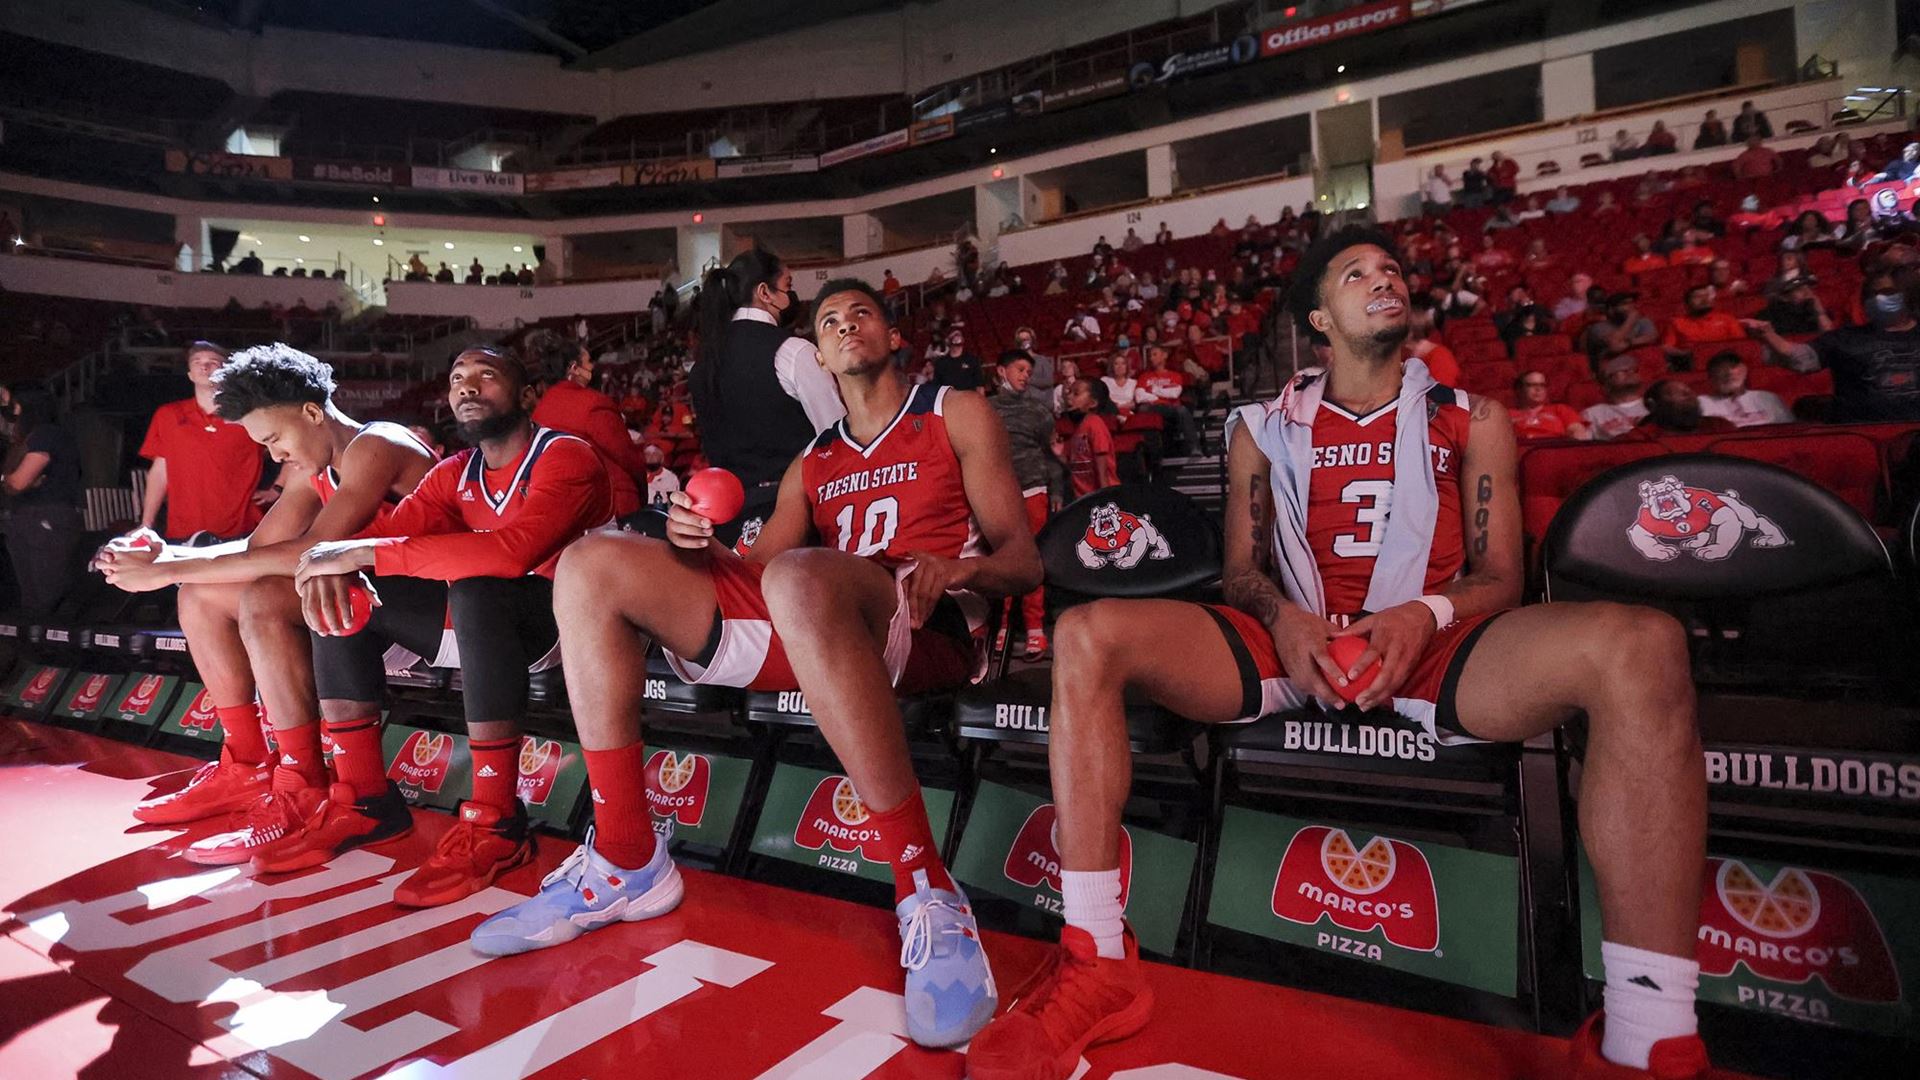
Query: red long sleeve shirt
466	520
577	410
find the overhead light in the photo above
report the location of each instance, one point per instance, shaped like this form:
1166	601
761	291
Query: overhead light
305	239
698	218
301	262
448	245
380	220
998	172
993	149
19	241
376	198
516	249
377	242
1341	70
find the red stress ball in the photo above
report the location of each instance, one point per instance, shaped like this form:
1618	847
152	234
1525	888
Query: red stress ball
716	495
1346	650
359	610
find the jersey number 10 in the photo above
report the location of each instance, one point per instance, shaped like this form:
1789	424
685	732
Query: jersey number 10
876	531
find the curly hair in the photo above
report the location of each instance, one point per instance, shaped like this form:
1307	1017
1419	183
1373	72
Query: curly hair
1313	266
547	354
268	375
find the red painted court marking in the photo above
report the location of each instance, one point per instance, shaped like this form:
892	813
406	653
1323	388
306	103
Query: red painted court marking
319	974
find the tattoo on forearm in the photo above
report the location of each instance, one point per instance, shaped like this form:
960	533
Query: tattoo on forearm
1257	513
1483	495
1254	593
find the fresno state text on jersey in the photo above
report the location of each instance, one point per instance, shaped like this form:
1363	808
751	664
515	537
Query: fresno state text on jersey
900	493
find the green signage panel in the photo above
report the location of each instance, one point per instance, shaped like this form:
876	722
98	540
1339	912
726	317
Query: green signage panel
1008	850
34	688
192	715
1816	945
432	768
1436	910
552	772
695	797
815	818
142	698
86	696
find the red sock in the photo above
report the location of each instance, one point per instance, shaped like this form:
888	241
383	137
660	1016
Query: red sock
357	758
300	750
906	838
496	772
622	826
240	727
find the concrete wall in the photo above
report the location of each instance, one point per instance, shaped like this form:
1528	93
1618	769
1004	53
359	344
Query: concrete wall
502	308
138	285
1186	217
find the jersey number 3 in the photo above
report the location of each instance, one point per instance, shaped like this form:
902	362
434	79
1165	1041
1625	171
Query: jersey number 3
876	531
1373	498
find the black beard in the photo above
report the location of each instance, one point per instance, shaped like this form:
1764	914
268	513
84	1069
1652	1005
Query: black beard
1380	344
475	432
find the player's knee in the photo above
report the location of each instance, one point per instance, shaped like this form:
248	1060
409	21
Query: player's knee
589	561
799	581
268	601
1087	638
1645	668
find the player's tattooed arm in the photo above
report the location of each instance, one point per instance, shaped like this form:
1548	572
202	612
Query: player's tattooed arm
1247	581
1490	514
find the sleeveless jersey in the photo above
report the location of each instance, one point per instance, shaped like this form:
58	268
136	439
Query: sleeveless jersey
1350	495
900	493
327	482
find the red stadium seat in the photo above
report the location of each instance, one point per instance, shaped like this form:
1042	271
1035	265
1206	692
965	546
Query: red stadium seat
1844	462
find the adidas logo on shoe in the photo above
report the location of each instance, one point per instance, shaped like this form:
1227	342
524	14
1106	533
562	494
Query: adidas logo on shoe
289	759
487	770
469	813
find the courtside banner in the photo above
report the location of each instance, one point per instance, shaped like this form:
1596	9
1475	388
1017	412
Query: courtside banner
694	797
879	144
192	715
576	179
816	819
1306	33
431	768
1430	909
87	696
34	688
431	178
142	698
1008	851
551	776
215	163
772	165
1823	946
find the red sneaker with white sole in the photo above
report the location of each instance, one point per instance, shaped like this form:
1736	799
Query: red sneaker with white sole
1680	1058
219	787
274	819
339	822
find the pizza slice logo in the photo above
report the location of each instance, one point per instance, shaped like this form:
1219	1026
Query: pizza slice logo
835	817
87	697
1384	885
1799	925
539	768
140	700
1034	858
423	761
39	687
677	785
200	715
1117	538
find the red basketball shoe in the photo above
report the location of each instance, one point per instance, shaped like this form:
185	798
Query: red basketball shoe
274	819
483	844
1680	1058
1078	1002
337	822
219	787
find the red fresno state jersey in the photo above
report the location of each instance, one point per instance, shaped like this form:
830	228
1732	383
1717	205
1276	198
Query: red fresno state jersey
900	493
1350	495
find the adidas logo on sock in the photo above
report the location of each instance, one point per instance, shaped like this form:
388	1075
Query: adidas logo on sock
1646	981
597	798
910	853
487	770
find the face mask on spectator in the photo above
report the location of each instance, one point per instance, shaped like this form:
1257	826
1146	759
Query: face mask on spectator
1887	309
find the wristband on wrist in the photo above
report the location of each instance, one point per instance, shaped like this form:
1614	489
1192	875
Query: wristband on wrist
1441	607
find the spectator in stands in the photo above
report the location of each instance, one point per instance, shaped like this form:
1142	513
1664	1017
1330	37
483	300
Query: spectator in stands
758	391
249	264
1500	220
1876	368
1476	187
899	351
959	368
1030	425
1751	124
1504	177
1606	204
1523	318
1162	391
1069	373
40	478
1101	249
1660	141
1705	221
1623	330
1440	361
1644	258
1537	259
1726	283
1827	152
1623	147
1902	167
1163	235
1733	401
1757	161
526	274
1041	379
1122	388
1466	296
1692	251
1081	325
1712	132
415	265
1491	258
1673	408
1699	324
1090	460
1858	230
1564	201
1793	308
889	285
1625	404
572	405
444	275
1808	231
1131	242
1575	304
1436	193
476	273
661	481
1673	236
1056	279
1535	416
205	470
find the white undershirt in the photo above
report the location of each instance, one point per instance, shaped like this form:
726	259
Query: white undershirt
797	366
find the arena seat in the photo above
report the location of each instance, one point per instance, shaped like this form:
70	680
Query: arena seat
1844	462
1772	575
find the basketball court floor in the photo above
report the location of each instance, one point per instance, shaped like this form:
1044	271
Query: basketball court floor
121	960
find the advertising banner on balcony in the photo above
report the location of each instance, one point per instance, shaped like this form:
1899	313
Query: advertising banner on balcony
477	180
772	165
879	144
1184	65
357	173
671	171
926	131
597	176
215	163
1306	33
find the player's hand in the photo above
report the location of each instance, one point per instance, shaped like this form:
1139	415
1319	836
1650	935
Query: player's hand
929	580
331	558
140	544
1396	637
686	529
326	601
133	571
1300	640
266	497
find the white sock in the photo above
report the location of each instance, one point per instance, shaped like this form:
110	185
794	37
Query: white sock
1649	997
1093	905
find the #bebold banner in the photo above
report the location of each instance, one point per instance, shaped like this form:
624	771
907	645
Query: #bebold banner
350	172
